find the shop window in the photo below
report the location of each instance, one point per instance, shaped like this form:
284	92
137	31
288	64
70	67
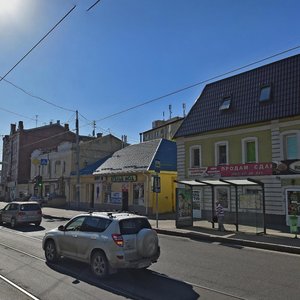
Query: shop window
249	150
221	153
138	194
195	157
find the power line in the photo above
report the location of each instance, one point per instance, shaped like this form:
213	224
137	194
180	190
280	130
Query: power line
11	112
37	97
38	43
196	84
93	5
23	90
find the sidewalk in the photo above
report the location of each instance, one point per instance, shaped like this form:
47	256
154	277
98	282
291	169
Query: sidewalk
202	230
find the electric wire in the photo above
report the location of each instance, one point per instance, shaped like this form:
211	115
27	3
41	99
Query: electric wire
17	114
196	84
2	77
93	5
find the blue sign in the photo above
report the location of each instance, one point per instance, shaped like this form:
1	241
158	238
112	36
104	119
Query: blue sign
44	161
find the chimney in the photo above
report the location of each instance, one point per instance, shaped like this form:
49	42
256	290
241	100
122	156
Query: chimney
21	126
12	128
58	122
99	134
67	126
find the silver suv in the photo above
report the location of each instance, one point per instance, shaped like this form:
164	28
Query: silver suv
107	241
16	213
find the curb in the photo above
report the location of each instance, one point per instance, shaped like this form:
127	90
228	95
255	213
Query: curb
226	240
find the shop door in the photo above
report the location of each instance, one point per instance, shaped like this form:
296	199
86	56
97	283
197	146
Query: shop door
197	204
125	200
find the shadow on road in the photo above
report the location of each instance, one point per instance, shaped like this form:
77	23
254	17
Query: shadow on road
25	228
133	284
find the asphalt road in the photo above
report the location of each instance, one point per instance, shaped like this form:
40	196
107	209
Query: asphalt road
187	269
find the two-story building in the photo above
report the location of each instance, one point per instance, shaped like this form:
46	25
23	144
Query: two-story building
246	126
58	168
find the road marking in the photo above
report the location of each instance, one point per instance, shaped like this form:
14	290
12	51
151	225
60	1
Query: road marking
18	287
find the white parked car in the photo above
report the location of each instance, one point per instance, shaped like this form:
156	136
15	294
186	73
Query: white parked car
106	241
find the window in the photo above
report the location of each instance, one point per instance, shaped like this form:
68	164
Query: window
195	157
249	150
221	153
290	145
134	225
223	195
265	93
225	103
95	224
75	224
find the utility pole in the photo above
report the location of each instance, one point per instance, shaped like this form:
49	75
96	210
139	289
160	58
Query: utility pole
77	162
36	120
94	128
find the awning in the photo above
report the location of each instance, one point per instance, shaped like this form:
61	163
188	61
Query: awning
220	182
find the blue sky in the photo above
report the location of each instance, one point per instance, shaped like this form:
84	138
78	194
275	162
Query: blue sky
123	53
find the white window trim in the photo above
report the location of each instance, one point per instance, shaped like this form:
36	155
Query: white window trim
192	156
282	142
221	143
244	148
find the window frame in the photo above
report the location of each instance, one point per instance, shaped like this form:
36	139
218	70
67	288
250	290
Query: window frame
192	156
217	152
244	149
283	149
264	87
226	103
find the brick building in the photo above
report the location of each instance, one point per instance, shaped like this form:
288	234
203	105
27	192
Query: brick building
17	149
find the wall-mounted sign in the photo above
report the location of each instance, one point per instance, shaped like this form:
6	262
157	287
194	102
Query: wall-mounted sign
284	167
44	161
124	178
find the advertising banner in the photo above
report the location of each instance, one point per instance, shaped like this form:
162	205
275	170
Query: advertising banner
285	167
184	208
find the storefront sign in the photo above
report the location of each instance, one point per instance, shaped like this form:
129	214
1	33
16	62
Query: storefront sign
255	169
124	178
284	167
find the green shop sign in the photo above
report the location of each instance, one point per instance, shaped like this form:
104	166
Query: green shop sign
123	178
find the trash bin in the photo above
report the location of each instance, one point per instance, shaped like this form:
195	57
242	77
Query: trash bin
294	224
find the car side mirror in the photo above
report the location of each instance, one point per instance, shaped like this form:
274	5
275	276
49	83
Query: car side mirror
61	228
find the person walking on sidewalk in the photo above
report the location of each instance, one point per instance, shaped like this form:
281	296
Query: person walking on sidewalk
220	215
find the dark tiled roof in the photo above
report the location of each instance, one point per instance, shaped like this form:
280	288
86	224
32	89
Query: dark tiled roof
244	90
139	157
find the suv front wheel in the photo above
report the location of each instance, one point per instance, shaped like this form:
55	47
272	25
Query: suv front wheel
50	252
99	264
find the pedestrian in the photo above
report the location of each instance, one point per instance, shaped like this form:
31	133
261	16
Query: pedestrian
220	215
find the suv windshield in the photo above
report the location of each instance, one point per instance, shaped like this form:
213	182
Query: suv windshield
133	226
